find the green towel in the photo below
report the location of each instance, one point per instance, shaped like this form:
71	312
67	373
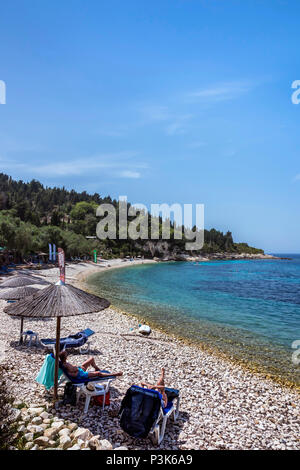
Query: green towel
46	374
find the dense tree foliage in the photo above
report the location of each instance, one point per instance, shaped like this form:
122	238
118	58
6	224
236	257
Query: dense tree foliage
31	216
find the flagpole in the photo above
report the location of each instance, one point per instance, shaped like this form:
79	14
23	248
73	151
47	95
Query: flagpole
62	270
57	350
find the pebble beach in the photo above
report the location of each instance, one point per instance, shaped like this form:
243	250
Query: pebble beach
223	406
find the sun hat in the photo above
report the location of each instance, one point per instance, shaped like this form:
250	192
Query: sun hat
90	387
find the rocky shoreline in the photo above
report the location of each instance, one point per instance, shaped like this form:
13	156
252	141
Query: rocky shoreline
218	256
39	428
223	406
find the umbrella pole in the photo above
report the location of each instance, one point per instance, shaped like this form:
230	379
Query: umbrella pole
57	348
21	331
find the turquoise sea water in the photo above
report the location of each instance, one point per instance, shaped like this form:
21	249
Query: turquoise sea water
249	310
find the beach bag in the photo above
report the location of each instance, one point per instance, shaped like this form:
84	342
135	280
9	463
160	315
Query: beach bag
69	397
139	411
98	401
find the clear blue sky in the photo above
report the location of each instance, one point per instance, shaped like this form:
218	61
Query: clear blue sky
170	101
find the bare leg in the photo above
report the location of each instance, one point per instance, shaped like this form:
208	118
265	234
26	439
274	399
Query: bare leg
161	380
103	374
89	362
161	385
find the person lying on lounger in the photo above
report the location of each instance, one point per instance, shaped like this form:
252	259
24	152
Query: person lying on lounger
81	372
160	387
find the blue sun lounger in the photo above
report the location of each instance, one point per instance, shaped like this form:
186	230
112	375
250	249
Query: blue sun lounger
71	341
4	270
142	412
101	385
83	381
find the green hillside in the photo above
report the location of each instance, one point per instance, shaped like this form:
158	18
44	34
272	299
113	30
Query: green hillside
31	216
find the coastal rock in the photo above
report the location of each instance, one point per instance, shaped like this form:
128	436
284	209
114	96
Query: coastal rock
37	420
57	425
35	411
19	404
65	442
42	441
105	444
72	426
81	443
82	433
94	443
28	436
50	433
64	432
26	419
16	414
28	445
36	430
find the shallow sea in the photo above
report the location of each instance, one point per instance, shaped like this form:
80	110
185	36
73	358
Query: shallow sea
249	310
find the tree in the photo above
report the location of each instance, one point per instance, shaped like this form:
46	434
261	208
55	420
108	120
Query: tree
83	208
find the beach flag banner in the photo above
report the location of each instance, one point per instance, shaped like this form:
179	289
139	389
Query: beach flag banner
95	256
61	264
50	252
54	253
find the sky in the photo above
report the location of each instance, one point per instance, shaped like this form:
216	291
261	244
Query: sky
164	101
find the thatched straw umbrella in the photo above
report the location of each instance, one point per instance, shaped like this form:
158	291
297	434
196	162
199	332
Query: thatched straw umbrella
20	281
17	293
59	300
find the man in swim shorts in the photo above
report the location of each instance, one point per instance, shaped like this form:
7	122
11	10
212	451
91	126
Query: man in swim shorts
81	372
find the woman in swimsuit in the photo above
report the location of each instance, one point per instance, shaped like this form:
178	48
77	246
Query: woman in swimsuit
160	387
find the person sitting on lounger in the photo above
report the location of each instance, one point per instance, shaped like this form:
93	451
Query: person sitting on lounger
160	387
81	372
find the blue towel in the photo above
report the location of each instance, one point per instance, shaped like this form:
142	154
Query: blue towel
46	374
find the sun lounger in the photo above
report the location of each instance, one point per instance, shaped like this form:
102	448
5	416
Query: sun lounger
142	412
80	381
72	341
4	270
101	385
